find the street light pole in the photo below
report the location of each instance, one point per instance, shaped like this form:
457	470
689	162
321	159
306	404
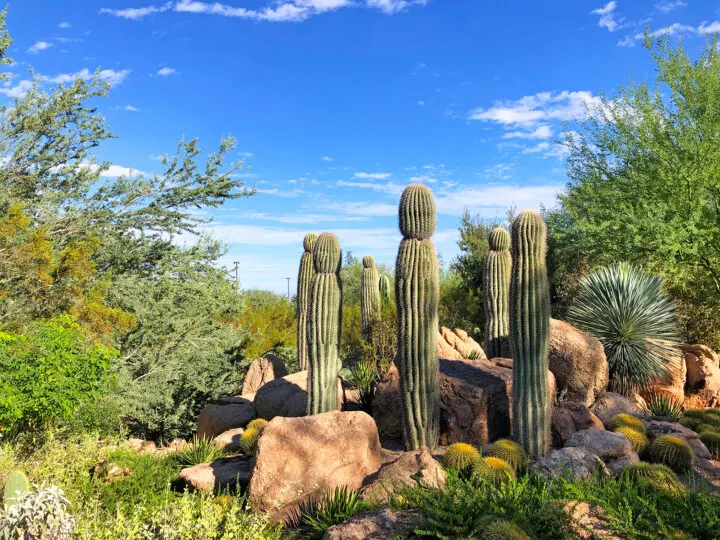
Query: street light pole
237	278
288	283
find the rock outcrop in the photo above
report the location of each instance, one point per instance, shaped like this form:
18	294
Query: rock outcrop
609	404
569	417
613	448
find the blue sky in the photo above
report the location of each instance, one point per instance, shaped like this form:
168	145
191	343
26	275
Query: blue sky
338	104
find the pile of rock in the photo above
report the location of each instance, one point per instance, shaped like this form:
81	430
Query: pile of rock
458	345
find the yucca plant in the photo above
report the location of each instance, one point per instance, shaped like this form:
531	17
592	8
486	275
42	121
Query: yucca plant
635	320
201	450
333	508
664	405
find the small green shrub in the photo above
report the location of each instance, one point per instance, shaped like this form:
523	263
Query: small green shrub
711	439
461	456
627	420
511	452
638	440
688	422
503	530
365	377
655	475
711	418
704	427
40	514
664	405
494	469
695	413
673	452
201	450
335	507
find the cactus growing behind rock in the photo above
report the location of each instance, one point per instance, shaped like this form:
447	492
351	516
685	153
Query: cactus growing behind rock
529	333
627	420
496	291
370	294
637	438
511	452
324	326
16	486
673	452
305	275
384	286
417	296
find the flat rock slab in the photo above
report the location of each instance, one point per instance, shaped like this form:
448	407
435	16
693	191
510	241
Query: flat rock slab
376	525
223	474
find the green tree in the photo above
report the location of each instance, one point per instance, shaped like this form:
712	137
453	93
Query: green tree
644	185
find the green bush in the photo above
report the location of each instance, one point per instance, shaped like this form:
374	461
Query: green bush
711	439
632	316
664	405
50	373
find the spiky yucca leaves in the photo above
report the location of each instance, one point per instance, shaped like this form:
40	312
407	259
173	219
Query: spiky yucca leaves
370	305
638	439
417	295
494	469
16	486
711	439
201	450
529	333
384	286
511	452
503	530
655	475
627	420
664	405
305	275
632	316
324	326
496	291
461	456
673	452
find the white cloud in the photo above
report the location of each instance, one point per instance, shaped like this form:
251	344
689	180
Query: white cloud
326	158
674	29
541	132
421	103
500	170
667	6
387	187
531	110
109	75
287	194
367	209
39	46
499	198
607	16
131	108
18	90
245	155
166	71
372	176
423	179
136	14
115	171
393	6
297	218
64	25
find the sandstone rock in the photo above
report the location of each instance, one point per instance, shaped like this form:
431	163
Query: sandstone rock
409	469
703	380
475	401
467	346
223	474
578	362
569	417
673	383
263	370
589	521
286	396
216	419
570	462
613	448
229	440
700	350
376	525
609	404
298	459
445	350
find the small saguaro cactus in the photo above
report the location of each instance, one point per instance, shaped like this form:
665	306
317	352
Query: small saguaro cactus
417	294
324	326
370	294
529	333
305	275
498	265
384	289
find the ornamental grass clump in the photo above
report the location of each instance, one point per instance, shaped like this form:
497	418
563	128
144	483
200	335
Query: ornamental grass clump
711	439
665	406
673	452
635	320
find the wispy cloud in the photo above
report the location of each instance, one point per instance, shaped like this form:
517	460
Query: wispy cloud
372	176
541	132
326	158
39	46
497	198
607	16
703	29
666	6
501	171
112	76
64	25
166	71
383	187
131	108
135	14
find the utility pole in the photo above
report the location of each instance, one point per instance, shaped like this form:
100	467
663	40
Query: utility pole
288	281
237	278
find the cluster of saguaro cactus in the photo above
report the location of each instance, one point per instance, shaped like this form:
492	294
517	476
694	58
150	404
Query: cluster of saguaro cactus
529	333
324	326
370	294
305	275
496	291
417	293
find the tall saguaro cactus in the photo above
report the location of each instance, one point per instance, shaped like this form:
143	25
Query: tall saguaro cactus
529	333
384	289
305	275
417	294
324	326
496	290
370	297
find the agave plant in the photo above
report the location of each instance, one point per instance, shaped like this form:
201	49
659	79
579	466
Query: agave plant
635	320
664	405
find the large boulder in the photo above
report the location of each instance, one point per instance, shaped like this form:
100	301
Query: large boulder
261	371
467	346
613	448
376	525
609	404
299	459
703	378
286	396
570	463
673	383
414	468
475	401
221	475
215	419
569	417
578	362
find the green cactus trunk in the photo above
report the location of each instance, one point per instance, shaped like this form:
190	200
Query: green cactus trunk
496	290
417	295
529	333
324	326
305	275
370	295
384	286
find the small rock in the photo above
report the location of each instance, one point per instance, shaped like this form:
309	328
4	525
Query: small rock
223	474
216	419
613	448
569	417
229	440
376	525
703	380
569	463
109	471
467	346
286	396
609	404
588	521
261	371
446	350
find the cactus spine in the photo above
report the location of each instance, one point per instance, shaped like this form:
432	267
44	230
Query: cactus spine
370	294
416	293
305	275
496	290
529	333
385	289
324	326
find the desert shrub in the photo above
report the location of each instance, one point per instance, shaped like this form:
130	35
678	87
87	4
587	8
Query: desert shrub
362	375
688	422
632	316
711	439
461	456
333	508
269	320
638	439
664	405
511	452
39	514
627	420
201	450
695	413
673	452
